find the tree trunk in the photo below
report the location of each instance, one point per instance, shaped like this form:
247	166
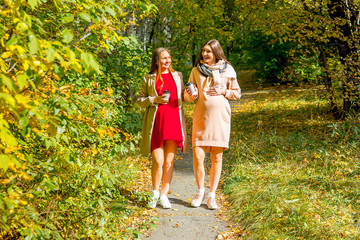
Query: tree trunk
348	52
328	83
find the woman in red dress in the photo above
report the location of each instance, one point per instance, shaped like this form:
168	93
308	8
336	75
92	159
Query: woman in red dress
164	123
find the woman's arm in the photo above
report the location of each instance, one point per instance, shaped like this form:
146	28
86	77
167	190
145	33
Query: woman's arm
233	91
144	100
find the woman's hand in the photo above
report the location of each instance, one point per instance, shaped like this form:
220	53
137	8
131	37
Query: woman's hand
195	94
216	91
161	100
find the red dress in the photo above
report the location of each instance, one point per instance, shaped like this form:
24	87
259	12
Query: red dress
167	125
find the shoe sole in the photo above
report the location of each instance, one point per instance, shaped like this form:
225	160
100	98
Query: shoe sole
195	205
213	208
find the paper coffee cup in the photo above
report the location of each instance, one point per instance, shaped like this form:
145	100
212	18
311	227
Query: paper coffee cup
166	94
190	87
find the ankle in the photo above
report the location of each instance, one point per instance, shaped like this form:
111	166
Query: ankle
201	190
211	195
156	193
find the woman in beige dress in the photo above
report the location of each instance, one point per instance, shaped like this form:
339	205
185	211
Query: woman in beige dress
215	83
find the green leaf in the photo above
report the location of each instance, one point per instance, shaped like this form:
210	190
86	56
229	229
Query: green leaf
67	18
5	135
61	130
9	99
117	148
33	44
67	36
65	139
23	122
4	162
85	16
48	143
32	3
50	184
50	54
13	41
110	11
94	64
7	82
21	79
85	57
89	61
32	84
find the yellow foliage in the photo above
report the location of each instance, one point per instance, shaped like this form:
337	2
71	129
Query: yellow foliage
55	76
107	91
25	176
103	113
12	166
84	91
94	151
6	181
110	133
51	129
9	150
101	132
85	153
6	54
22	202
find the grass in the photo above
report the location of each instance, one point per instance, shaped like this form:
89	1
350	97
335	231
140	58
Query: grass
292	172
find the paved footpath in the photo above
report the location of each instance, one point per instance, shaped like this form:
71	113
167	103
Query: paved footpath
184	221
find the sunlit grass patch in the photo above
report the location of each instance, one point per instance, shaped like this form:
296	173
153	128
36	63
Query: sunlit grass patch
292	172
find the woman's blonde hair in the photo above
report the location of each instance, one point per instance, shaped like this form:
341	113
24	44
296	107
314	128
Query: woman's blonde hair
155	67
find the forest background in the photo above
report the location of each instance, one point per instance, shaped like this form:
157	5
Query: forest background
70	71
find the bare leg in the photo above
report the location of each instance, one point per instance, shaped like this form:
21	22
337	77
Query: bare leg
216	166
198	165
169	156
156	169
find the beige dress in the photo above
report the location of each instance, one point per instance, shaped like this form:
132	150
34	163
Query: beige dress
212	114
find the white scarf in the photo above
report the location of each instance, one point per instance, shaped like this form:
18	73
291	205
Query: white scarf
216	72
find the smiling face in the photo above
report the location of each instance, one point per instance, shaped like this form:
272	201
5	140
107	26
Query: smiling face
208	55
165	61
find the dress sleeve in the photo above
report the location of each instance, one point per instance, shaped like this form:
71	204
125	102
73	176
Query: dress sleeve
144	100
192	78
233	91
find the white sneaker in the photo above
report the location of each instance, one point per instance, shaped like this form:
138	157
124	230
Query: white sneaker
197	200
164	201
154	199
211	203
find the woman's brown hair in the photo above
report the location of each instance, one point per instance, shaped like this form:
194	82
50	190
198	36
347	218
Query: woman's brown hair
217	50
155	67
